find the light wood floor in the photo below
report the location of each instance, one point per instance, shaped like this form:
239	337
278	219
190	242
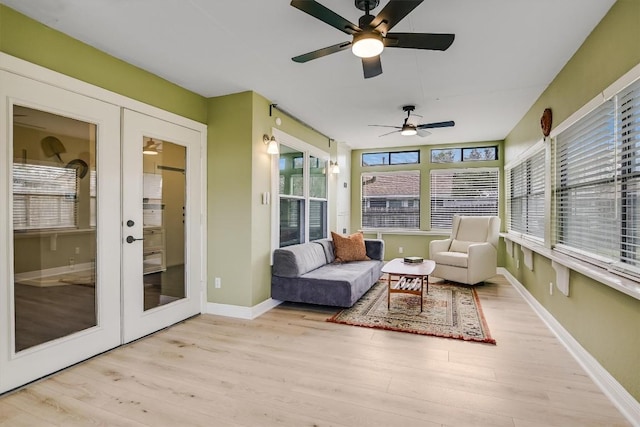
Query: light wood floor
290	367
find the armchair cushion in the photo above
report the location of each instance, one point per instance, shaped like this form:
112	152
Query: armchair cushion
460	246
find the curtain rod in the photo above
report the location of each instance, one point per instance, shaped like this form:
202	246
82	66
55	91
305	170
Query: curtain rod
272	106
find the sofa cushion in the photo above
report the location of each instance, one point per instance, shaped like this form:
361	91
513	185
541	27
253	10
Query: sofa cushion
327	246
349	248
455	259
296	260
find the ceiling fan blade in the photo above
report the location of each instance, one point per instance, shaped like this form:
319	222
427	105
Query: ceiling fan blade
393	13
372	66
325	15
419	40
423	133
387	126
437	125
321	52
389	133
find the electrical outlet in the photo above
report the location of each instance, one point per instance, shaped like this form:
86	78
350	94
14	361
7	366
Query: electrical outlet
550	288
217	283
518	264
72	262
400	250
77	250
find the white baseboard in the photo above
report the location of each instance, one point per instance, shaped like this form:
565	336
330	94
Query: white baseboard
241	312
620	397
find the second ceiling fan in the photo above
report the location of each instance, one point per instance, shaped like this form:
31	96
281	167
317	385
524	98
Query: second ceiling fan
371	35
409	128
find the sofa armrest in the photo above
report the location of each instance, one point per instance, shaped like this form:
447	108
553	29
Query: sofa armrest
436	246
375	248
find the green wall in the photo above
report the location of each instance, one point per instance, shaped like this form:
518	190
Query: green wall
239	172
604	321
32	41
418	244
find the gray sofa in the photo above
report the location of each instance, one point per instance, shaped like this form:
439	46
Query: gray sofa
307	273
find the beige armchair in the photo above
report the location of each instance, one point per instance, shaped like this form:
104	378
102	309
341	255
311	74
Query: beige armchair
470	255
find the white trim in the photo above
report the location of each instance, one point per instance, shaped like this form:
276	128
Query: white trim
612	90
599	274
240	312
620	397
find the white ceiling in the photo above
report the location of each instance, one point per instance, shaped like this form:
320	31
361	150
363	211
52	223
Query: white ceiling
504	55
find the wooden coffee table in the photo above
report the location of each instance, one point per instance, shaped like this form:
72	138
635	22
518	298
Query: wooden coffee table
411	277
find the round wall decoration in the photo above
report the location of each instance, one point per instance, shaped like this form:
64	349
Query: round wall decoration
545	122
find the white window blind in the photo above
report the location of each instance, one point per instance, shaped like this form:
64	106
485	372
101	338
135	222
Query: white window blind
597	183
525	199
585	185
43	197
463	192
391	200
629	172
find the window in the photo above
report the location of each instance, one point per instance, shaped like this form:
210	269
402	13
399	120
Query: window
43	197
391	200
464	192
391	158
302	190
525	199
597	183
472	154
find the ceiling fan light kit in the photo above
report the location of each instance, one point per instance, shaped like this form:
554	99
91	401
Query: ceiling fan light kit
367	44
408	130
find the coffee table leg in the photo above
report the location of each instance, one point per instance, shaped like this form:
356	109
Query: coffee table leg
421	290
388	291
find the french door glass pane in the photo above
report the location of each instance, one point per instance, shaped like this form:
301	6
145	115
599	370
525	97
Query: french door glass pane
164	201
54	223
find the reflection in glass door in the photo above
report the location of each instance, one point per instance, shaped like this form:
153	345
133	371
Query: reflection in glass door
54	224
163	204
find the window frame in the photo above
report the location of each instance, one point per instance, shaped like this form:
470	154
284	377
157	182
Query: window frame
536	157
309	151
389	155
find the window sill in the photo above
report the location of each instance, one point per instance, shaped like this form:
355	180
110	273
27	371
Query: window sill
402	232
602	275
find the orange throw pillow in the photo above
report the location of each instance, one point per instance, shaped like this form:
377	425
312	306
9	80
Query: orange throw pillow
349	248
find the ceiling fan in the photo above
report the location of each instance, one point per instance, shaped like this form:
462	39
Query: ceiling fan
371	35
409	129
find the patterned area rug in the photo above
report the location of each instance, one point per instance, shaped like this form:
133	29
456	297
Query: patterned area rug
450	311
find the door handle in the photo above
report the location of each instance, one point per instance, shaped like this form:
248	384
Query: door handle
131	239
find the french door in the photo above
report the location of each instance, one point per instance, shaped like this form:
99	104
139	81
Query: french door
59	256
100	227
161	230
